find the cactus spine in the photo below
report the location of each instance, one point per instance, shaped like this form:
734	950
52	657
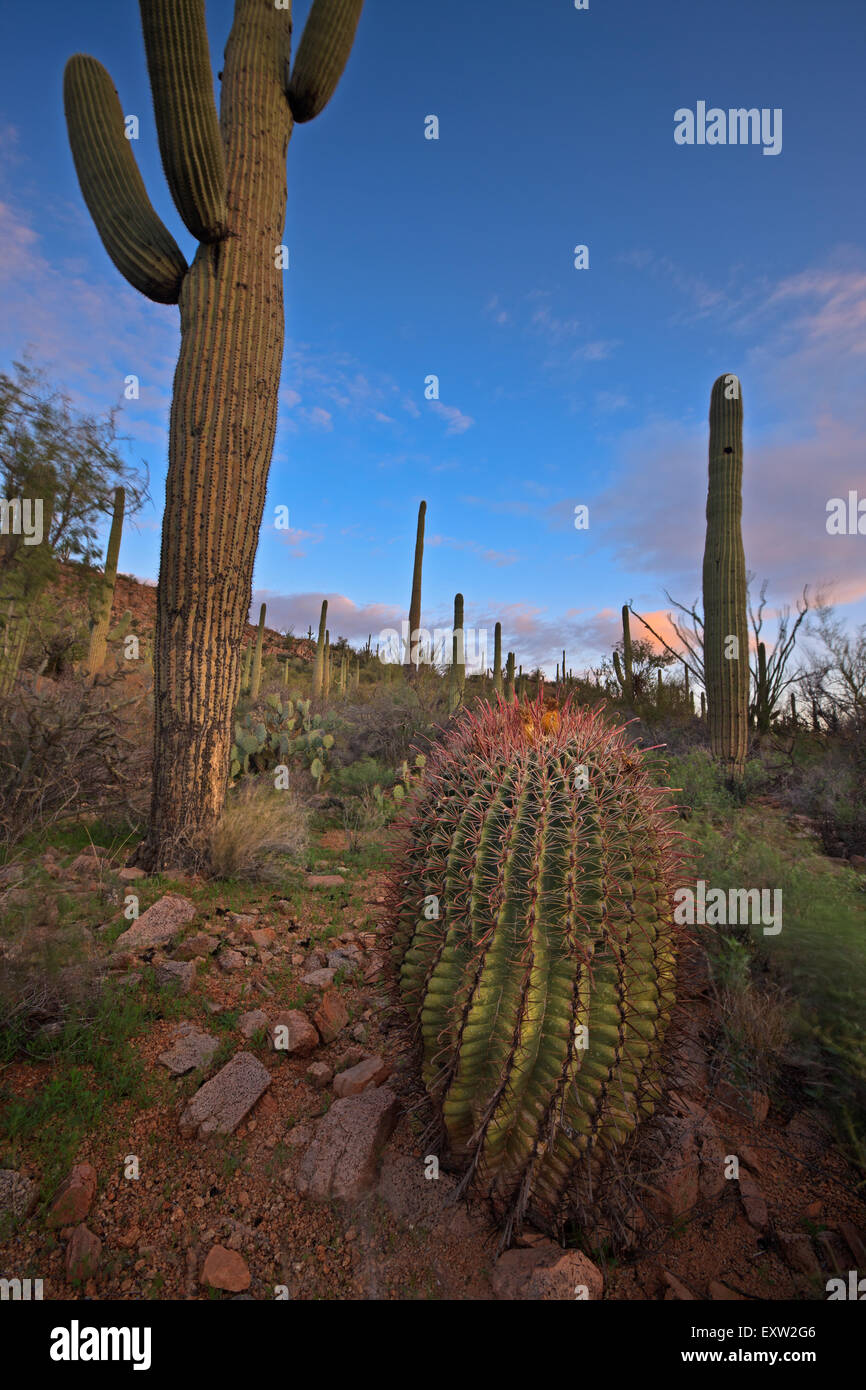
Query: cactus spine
726	638
256	682
227	176
105	597
415	604
543	989
497	659
319	663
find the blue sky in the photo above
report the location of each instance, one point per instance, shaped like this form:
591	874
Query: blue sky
454	257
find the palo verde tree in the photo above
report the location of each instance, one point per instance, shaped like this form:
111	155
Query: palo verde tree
227	176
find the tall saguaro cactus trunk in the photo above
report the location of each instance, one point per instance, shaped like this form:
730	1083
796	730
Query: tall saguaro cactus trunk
228	180
415	604
726	637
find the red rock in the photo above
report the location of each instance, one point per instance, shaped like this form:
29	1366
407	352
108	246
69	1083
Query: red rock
82	1255
798	1252
324	881
160	924
72	1200
676	1290
854	1241
760	1105
319	1075
546	1272
753	1201
225	1269
293	1032
331	1016
371	1072
721	1293
263	937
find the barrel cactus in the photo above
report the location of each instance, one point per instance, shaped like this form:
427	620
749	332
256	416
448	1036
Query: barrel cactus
533	933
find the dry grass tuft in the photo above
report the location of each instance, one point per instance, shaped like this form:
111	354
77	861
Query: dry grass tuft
258	827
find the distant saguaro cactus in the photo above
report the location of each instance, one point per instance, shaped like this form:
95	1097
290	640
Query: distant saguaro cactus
319	662
460	648
497	659
256	683
105	595
326	670
509	678
625	672
415	604
726	636
227	176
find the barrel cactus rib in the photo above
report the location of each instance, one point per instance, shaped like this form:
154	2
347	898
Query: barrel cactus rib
142	248
558	917
322	55
187	124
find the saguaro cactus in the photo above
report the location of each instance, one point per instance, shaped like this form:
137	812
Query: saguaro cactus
726	636
326	668
105	596
509	678
542	983
460	645
319	662
256	682
227	176
415	604
625	672
497	659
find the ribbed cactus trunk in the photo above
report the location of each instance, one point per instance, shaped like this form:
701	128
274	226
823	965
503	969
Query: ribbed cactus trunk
256	682
453	687
762	696
228	180
415	604
625	672
497	659
319	662
460	647
326	668
726	636
105	598
509	678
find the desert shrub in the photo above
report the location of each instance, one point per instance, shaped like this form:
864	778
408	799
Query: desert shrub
258	828
829	785
68	748
362	775
381	728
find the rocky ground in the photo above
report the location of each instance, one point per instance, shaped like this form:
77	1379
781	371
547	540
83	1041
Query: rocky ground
283	1155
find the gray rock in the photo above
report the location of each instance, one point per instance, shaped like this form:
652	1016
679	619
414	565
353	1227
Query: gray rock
191	1049
343	1159
319	979
254	1022
18	1195
175	974
341	960
221	1103
159	925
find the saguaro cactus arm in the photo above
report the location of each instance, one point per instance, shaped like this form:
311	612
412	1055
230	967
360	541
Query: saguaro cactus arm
187	125
142	248
322	56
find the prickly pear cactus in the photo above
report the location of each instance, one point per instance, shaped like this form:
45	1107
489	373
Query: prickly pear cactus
534	936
